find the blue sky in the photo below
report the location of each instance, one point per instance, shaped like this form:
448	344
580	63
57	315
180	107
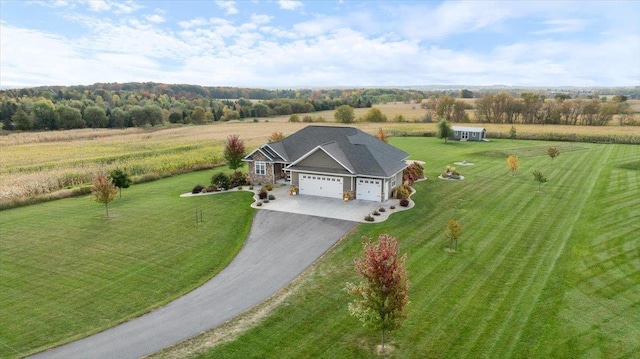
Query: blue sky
285	44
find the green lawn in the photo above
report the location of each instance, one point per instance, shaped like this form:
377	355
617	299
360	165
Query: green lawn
67	271
537	275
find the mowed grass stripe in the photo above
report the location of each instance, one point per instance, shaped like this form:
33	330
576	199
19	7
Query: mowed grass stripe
515	280
584	255
451	279
504	294
497	254
72	272
546	240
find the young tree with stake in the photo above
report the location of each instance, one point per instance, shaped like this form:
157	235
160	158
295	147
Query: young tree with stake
453	232
103	191
382	294
513	163
553	152
539	177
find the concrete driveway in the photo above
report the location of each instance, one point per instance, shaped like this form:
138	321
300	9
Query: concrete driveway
280	246
354	210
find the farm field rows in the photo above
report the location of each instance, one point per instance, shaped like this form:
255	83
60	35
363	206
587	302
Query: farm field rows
44	162
67	271
543	274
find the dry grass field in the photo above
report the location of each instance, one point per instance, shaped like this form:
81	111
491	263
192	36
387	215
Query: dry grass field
37	163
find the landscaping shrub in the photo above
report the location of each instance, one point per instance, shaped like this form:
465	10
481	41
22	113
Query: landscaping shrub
393	207
404	202
237	179
197	189
211	188
412	173
382	209
265	201
376	213
269	187
368	218
402	192
272	197
220	180
263	193
259	204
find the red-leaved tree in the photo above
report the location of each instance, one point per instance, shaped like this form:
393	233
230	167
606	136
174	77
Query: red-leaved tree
383	293
234	152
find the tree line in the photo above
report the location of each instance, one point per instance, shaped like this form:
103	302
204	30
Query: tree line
533	108
118	105
149	104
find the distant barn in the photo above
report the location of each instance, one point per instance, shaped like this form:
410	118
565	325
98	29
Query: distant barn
464	133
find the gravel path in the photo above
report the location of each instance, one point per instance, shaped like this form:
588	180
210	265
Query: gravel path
280	247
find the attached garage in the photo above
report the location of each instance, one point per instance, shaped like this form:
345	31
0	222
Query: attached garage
317	185
369	189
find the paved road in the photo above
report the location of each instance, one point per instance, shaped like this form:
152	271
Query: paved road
280	246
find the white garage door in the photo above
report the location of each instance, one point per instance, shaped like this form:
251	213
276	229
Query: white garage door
369	189
325	186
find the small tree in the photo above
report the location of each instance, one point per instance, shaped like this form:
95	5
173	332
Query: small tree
234	152
120	179
294	118
512	133
553	152
344	114
453	232
513	163
374	115
539	177
382	294
103	191
382	136
444	130
276	136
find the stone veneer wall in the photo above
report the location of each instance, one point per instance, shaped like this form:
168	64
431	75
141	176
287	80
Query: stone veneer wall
261	179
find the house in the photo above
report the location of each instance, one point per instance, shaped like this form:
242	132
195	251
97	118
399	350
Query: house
464	133
330	161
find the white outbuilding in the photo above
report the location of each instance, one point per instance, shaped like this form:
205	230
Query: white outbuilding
467	133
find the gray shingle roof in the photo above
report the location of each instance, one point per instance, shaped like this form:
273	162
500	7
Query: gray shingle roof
360	152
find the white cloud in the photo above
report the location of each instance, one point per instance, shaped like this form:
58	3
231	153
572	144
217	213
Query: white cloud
261	19
318	26
556	26
405	45
229	7
155	18
197	22
421	21
98	5
290	4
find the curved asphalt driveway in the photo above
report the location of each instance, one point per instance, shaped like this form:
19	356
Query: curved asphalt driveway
280	246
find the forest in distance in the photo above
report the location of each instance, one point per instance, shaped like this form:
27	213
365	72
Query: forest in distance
124	105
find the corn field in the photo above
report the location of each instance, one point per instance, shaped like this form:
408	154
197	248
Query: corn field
41	163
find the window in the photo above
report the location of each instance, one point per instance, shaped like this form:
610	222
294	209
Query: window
261	168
